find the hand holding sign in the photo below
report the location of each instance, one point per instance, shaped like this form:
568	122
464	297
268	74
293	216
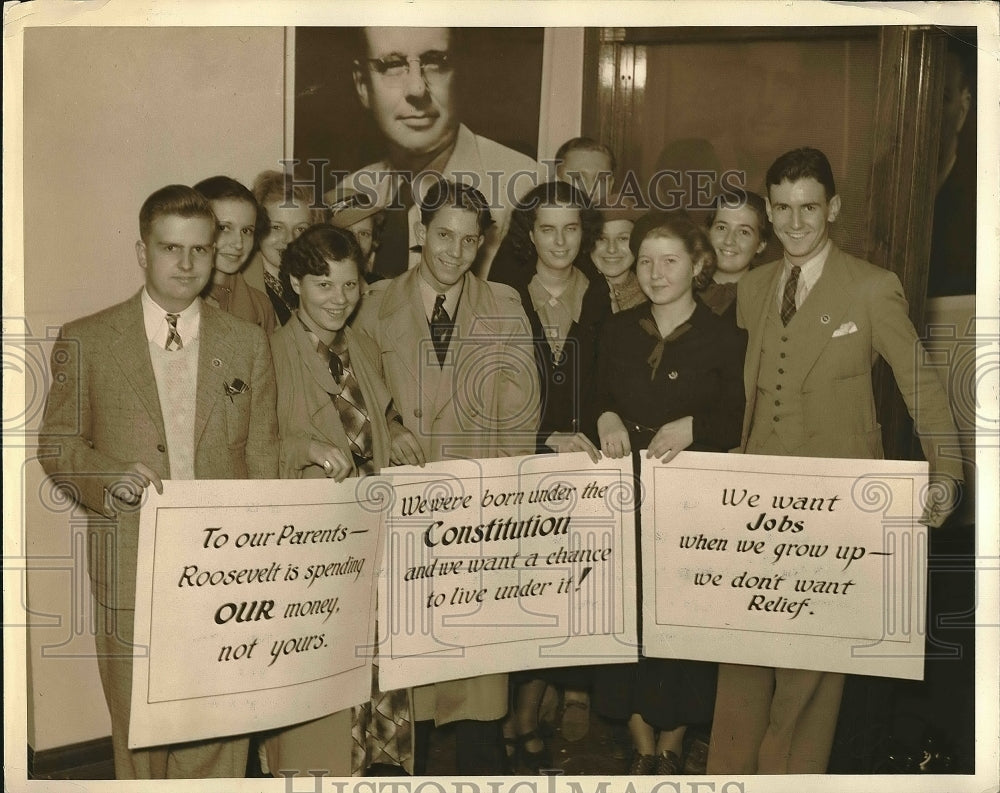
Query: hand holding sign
506	564
739	550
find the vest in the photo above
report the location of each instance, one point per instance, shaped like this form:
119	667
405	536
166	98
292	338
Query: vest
176	374
778	427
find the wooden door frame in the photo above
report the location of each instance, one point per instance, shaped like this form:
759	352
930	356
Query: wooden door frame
900	203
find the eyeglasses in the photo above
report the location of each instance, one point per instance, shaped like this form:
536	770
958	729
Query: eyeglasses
433	64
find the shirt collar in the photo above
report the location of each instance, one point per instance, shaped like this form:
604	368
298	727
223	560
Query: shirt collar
270	269
154	319
428	295
812	269
571	297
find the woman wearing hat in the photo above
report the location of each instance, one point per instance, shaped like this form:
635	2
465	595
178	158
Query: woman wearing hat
614	259
359	214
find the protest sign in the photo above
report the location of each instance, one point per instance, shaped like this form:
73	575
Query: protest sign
255	606
785	561
504	564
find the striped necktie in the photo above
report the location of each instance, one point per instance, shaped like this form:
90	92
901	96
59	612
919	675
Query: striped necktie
441	329
788	297
350	404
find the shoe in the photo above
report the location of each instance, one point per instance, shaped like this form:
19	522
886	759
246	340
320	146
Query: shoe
642	764
532	761
575	719
548	710
668	764
696	757
509	754
936	756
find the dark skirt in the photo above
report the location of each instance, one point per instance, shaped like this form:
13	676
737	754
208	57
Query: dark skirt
573	677
666	692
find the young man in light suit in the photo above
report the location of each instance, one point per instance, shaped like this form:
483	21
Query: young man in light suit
457	356
817	320
160	386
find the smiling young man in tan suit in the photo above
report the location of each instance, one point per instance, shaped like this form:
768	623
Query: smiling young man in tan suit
457	357
162	386
817	321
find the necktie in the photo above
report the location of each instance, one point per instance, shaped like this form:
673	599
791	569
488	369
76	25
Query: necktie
441	329
350	404
381	727
392	257
788	298
173	337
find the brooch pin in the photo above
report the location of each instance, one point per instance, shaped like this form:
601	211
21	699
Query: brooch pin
216	363
672	375
825	319
237	386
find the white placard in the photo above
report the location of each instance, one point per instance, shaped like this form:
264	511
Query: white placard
507	564
791	562
255	606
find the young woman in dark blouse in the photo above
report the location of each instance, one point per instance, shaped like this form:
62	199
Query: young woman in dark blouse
552	231
669	378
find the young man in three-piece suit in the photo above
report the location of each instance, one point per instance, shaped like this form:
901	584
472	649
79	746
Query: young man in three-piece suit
457	356
817	321
160	386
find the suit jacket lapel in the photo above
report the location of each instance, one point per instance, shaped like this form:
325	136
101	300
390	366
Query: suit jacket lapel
761	300
822	311
322	412
403	310
215	354
458	349
131	351
474	338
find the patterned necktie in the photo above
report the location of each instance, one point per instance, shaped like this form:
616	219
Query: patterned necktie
788	298
381	727
274	284
350	404
173	337
441	329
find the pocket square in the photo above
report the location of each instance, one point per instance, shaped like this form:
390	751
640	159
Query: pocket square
237	386
845	329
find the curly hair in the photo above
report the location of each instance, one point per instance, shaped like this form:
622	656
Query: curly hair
316	247
522	222
739	200
678	226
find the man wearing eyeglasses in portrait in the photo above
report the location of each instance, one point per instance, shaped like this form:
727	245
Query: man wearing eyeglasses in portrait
406	78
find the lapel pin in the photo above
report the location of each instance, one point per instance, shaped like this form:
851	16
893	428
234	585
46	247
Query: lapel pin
216	363
672	375
825	319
